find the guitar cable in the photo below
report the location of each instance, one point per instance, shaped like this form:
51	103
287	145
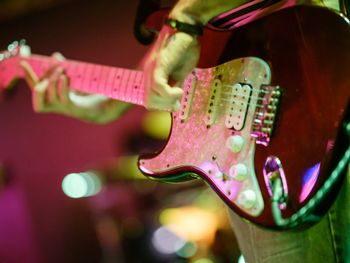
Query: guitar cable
298	217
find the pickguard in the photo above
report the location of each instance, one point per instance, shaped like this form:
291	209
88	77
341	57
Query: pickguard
222	155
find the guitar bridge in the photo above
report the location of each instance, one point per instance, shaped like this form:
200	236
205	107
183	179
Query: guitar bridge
265	113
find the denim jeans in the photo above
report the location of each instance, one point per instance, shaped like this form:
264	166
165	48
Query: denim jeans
326	242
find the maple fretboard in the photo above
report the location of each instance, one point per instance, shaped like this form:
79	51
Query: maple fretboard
117	83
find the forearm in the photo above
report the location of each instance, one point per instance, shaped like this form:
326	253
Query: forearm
201	11
104	113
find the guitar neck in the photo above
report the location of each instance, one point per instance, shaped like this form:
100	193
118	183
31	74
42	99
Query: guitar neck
116	83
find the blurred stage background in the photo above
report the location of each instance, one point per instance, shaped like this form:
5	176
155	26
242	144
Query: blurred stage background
113	214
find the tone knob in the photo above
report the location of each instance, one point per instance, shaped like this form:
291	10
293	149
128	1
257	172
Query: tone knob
238	172
247	199
235	143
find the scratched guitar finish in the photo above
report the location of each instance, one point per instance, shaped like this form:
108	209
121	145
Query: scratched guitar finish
201	138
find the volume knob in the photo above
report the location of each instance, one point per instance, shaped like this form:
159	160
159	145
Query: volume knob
238	172
247	199
235	143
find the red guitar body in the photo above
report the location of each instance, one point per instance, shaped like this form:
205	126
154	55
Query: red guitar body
264	120
308	52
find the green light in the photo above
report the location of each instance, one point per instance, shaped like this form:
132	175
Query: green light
203	260
188	250
78	185
241	259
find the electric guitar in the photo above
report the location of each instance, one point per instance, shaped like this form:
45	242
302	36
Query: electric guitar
263	129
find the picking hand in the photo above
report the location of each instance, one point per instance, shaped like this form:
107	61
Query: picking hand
171	59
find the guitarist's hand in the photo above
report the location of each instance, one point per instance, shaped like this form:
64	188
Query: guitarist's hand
52	94
175	53
172	57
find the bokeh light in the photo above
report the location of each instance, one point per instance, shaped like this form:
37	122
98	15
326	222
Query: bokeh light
203	260
157	124
167	242
241	259
78	185
191	223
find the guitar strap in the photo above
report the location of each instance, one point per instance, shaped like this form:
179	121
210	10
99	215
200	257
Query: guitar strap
248	12
344	7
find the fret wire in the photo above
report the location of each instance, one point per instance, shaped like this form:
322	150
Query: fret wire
76	70
116	81
132	85
84	71
114	85
117	91
119	87
125	79
101	80
127	86
96	77
83	77
105	73
90	77
93	70
69	70
109	84
139	87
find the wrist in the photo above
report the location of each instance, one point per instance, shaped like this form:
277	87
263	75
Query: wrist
189	28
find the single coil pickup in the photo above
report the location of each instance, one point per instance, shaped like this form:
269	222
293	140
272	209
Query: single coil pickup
190	85
213	102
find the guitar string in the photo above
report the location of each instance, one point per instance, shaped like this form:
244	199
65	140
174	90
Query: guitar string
241	97
50	62
250	87
40	64
258	103
139	92
83	65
